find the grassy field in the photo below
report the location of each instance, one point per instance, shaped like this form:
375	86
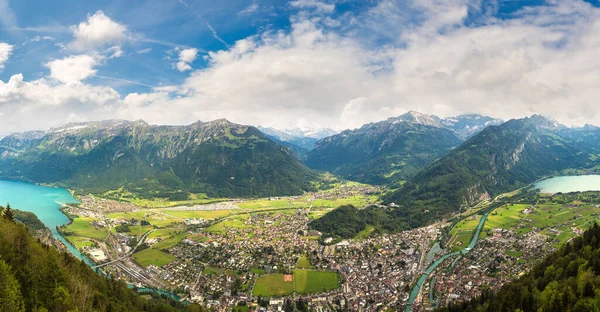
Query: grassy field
238	221
461	233
304	263
80	242
272	285
554	220
194	214
170	241
153	217
152	256
365	233
312	282
209	270
82	227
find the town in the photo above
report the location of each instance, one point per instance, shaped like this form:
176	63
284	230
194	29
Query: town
262	254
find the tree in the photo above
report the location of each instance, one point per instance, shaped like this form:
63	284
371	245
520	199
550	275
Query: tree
9	214
10	296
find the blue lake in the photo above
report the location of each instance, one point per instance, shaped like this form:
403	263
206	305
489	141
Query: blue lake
45	202
566	184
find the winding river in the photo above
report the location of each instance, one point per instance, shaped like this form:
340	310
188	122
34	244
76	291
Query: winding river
417	288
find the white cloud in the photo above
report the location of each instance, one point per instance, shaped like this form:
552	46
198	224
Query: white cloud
183	66
249	9
504	68
316	5
41	104
5	51
73	68
114	52
144	51
314	76
186	57
98	31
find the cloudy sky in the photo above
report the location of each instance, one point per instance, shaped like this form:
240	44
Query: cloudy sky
300	63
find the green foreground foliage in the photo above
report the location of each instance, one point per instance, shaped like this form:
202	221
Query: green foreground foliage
34	277
567	280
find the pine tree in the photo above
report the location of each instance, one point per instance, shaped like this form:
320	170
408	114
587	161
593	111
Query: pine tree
9	214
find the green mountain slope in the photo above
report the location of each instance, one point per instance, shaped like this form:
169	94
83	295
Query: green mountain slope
384	152
218	158
567	280
34	277
497	160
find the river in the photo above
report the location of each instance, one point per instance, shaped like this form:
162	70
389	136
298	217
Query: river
417	288
564	184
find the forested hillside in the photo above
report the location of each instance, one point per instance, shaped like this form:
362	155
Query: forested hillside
497	160
567	280
217	158
34	277
384	152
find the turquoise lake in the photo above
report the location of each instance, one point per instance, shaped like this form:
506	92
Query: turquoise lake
44	202
566	184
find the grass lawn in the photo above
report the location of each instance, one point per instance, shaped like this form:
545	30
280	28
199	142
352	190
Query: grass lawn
81	227
195	214
365	233
151	216
312	282
257	271
304	263
210	270
514	253
272	285
170	242
238	222
152	256
80	242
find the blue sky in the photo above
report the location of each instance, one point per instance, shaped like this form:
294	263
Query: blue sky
301	63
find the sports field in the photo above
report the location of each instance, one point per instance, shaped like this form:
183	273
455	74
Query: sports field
272	285
314	282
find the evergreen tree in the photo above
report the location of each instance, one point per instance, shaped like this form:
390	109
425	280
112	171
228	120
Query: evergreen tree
9	214
10	292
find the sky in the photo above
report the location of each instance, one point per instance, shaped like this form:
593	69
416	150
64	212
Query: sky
301	63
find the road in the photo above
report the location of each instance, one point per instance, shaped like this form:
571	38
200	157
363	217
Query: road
142	239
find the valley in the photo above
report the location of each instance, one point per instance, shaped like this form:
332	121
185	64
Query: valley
264	248
451	221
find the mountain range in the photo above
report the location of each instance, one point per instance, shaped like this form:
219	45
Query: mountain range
218	158
498	159
395	149
304	138
434	166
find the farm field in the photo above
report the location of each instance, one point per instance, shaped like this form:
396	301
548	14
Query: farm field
151	216
554	220
152	256
80	242
195	214
272	285
461	233
311	282
82	227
